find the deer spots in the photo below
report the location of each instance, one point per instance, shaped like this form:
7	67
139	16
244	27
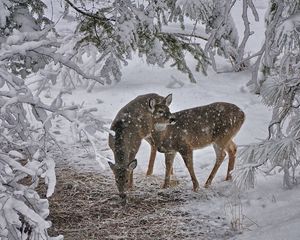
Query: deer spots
198	127
205	130
221	108
139	119
160	126
134	122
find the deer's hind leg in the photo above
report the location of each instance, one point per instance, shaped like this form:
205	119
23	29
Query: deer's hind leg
220	155
187	156
152	161
231	150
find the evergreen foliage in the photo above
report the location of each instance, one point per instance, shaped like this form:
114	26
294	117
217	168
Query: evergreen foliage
124	27
279	87
28	43
108	34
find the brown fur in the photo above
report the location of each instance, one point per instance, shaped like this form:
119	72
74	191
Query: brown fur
133	123
195	128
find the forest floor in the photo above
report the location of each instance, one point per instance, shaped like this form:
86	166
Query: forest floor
85	206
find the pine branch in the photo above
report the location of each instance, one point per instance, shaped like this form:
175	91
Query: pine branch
65	61
90	15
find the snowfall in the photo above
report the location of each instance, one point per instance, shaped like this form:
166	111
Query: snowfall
267	211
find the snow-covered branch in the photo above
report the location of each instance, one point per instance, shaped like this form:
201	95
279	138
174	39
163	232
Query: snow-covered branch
240	61
66	62
26	119
276	77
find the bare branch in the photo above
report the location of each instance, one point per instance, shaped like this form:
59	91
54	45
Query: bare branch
253	9
88	14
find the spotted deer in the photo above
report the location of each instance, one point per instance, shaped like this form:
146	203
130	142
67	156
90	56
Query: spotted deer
195	128
134	122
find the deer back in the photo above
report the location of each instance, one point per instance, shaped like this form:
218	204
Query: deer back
200	126
133	122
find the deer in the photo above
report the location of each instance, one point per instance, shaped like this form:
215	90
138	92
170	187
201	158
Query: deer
134	122
196	128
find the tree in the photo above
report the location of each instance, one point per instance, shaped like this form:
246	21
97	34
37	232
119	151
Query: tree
107	36
221	34
28	44
120	28
278	82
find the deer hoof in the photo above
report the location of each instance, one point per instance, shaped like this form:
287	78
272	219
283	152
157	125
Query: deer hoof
228	178
174	183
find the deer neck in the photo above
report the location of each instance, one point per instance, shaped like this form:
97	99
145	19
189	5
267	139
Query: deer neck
159	133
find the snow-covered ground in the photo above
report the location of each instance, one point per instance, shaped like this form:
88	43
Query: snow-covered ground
266	212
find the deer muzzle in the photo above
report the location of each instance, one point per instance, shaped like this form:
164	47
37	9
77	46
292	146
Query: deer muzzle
172	119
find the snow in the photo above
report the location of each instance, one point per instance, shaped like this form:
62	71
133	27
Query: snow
267	212
3	12
274	210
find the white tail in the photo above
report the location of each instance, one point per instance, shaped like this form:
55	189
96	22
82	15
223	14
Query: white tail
195	128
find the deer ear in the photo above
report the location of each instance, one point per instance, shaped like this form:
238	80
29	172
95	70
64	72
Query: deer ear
151	104
132	165
112	166
168	99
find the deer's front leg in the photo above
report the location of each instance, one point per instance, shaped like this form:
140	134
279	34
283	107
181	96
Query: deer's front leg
220	155
169	159
231	150
130	182
151	160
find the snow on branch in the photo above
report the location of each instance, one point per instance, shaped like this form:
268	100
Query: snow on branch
28	142
240	61
276	77
188	31
59	58
223	33
40	44
88	14
25	135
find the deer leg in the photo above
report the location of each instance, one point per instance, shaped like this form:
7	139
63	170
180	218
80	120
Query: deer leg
231	149
134	149
188	160
220	155
172	170
130	182
169	159
151	160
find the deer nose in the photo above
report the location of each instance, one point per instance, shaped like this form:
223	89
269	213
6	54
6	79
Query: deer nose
172	119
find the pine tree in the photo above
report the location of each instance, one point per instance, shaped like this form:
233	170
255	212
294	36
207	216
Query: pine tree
279	87
28	44
121	28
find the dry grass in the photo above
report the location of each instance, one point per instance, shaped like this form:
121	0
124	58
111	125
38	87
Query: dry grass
85	207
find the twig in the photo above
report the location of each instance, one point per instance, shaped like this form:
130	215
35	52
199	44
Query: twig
94	16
